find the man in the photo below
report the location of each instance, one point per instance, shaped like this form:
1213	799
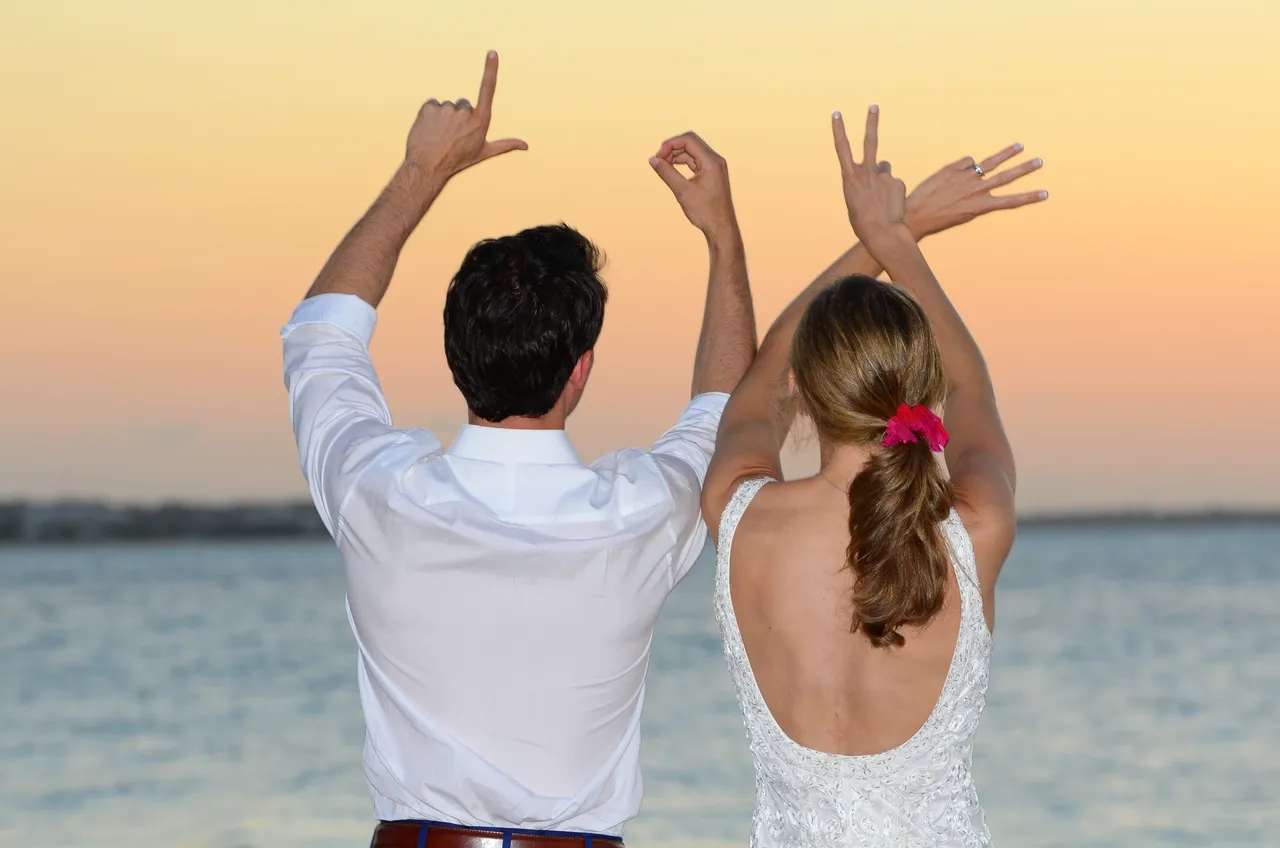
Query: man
503	594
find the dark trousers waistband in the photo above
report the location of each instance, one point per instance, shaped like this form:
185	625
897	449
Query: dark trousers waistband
431	834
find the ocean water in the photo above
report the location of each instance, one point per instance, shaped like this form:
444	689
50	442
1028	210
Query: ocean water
203	695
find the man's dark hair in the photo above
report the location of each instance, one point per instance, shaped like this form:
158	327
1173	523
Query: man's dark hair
519	314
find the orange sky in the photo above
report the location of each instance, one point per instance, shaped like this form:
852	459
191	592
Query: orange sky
173	179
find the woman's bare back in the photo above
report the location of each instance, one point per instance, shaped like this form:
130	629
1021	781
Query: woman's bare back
853	745
828	688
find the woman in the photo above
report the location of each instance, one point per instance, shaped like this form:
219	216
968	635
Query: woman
856	605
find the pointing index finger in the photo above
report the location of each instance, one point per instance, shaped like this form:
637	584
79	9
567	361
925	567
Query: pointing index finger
843	151
488	82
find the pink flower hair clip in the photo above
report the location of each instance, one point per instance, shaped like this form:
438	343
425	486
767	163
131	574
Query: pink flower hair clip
909	421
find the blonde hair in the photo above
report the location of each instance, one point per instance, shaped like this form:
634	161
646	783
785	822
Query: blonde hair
862	349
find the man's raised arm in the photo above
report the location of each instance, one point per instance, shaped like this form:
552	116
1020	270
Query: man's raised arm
340	419
727	343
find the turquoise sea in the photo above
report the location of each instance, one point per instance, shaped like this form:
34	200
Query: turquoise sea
203	695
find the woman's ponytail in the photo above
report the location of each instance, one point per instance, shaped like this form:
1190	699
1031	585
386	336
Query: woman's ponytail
868	373
899	559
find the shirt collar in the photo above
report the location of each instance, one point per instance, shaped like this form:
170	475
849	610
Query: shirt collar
528	447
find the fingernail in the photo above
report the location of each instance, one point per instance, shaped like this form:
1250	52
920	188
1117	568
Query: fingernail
1038	162
653	162
1017	147
836	116
1044	195
875	109
493	54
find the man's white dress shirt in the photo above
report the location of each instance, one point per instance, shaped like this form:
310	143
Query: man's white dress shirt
502	594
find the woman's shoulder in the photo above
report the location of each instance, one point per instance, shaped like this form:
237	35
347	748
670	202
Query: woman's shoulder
751	497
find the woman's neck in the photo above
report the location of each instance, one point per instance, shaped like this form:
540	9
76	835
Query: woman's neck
841	463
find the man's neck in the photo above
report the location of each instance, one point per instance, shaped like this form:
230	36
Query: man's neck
553	420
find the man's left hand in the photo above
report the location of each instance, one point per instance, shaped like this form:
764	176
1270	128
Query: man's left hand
704	197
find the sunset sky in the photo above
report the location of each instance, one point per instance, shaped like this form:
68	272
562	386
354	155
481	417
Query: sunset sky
174	175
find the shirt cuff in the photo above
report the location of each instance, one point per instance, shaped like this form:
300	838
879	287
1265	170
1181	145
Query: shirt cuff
347	312
712	402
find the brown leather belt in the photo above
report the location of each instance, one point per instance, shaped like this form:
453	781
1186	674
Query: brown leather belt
409	834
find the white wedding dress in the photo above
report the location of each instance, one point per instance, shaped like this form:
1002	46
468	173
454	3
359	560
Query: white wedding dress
918	794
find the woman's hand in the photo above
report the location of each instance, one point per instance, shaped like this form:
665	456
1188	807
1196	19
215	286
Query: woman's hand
961	191
876	200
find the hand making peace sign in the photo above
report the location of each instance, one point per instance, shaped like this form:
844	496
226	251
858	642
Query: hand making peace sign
876	200
955	194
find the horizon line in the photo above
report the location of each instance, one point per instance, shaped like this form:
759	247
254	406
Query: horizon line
1066	515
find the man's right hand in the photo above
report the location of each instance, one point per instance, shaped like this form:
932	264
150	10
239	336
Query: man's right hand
704	197
450	137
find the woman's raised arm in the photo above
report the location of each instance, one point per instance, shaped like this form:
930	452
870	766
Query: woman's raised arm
758	417
978	454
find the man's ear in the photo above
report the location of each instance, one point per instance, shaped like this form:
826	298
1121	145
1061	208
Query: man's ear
582	369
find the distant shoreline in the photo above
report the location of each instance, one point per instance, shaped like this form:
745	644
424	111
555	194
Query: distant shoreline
87	522
1157	518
